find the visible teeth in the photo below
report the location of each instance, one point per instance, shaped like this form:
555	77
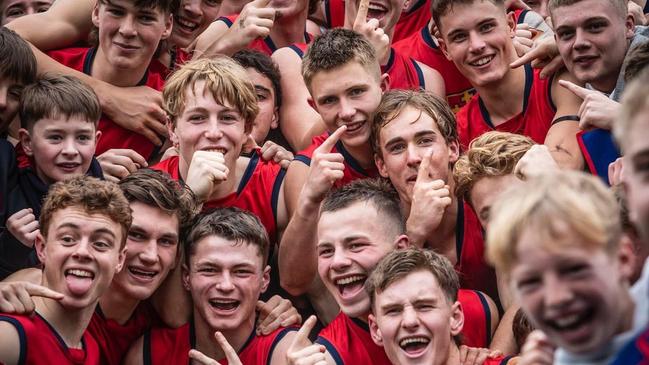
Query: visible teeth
186	23
219	150
139	272
376	7
567	321
407	341
482	61
81	273
349	280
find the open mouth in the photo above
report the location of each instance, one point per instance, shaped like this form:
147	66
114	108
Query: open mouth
141	273
482	61
376	11
414	345
353	127
351	285
224	305
584	61
78	280
186	24
220	150
68	166
572	326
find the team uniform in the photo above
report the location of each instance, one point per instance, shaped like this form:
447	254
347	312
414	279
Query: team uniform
422	47
265	45
28	191
471	267
636	352
599	150
115	339
404	72
534	121
258	191
178	58
112	135
477	318
353	170
41	344
171	346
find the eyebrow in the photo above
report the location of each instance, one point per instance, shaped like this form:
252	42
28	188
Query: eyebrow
262	88
140	229
418	134
59	130
99	230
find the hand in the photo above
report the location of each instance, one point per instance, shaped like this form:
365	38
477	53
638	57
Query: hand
536	161
138	109
616	172
537	350
524	38
117	164
16	296
206	170
430	198
255	21
516	4
372	32
24	226
326	168
302	351
277	312
476	355
544	54
596	110
272	151
637	13
230	354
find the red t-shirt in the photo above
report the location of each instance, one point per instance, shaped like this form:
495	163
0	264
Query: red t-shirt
171	346
41	344
353	169
534	121
112	135
258	191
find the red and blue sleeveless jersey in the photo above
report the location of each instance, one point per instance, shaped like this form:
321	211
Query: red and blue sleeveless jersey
599	150
404	72
265	45
353	170
334	13
41	344
412	20
115	339
348	341
477	318
635	352
258	191
533	121
112	135
178	58
422	47
471	267
171	346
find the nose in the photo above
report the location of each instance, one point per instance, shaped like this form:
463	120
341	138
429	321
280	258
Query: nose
347	110
70	147
557	292
127	26
476	43
225	283
82	250
340	261
149	254
410	319
414	156
213	130
4	96
581	41
193	7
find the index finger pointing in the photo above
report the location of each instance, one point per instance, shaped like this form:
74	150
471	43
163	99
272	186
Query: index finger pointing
331	141
424	166
41	291
230	354
575	89
302	337
361	16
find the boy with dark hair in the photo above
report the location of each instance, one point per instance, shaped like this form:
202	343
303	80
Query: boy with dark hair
12	9
59	133
129	33
84	225
225	271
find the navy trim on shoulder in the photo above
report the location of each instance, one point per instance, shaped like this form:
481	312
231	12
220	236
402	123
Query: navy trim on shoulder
22	337
574	118
58	337
505	361
192	335
274	197
529	81
428	38
415	7
487	312
331	349
521	17
420	74
270	44
388	65
225	20
327	13
146	347
248	341
550	81
302	158
360	324
351	161
250	169
459	229
297	50
276	341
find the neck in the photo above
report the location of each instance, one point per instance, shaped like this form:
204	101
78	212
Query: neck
362	154
104	71
607	84
453	356
289	30
206	343
117	305
70	324
504	99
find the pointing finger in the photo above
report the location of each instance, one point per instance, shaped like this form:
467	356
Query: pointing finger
361	16
331	141
575	89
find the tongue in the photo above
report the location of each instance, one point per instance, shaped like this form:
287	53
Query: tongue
351	288
415	347
78	285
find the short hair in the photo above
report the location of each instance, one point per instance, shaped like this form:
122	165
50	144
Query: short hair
394	101
549	204
337	48
230	223
377	191
167	6
18	61
400	263
225	79
619	5
159	190
635	102
492	154
636	61
439	8
90	194
249	58
58	96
